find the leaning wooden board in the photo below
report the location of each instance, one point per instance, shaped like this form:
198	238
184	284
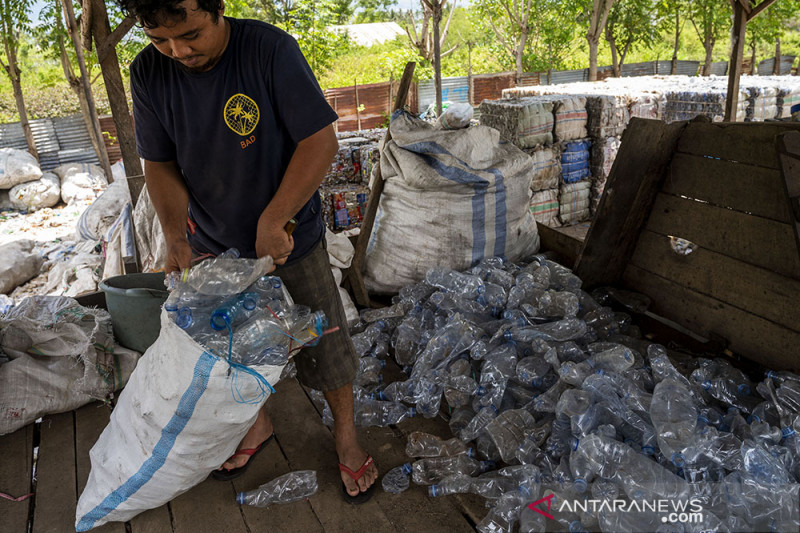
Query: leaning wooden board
724	189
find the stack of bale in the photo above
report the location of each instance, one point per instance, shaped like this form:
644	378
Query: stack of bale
344	191
762	103
552	129
604	152
707	101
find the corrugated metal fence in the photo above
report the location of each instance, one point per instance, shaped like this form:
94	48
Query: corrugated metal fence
366	106
58	140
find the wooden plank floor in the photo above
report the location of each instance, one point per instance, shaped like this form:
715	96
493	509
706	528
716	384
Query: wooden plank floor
302	442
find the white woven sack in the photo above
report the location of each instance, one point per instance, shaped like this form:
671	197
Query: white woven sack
63	356
150	242
17	166
98	218
19	264
33	195
570	118
451	198
175	422
80	181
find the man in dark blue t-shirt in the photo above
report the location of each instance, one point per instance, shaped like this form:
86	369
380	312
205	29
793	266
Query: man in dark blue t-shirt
237	136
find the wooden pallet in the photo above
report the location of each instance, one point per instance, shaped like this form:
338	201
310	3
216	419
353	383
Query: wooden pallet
730	189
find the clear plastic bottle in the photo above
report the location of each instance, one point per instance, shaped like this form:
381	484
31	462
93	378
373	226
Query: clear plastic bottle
397	480
463	284
422	444
493	295
674	418
561	330
455	484
531	370
508	431
406	339
234	310
364	341
478	423
262	340
287	488
382	414
432	470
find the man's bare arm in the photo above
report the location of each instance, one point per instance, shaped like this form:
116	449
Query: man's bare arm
171	200
307	168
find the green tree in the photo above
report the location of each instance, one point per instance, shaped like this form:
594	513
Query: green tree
711	20
631	23
595	13
672	14
14	19
375	11
768	28
308	23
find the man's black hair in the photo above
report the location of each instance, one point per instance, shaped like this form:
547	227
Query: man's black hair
152	13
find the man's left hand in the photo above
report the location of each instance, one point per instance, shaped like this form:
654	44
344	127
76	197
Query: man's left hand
272	240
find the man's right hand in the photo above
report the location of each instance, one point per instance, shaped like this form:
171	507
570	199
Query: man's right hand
179	256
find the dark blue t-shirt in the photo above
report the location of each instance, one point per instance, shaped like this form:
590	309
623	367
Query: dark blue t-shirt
232	131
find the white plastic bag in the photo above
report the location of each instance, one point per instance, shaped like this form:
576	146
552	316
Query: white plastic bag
33	195
175	422
340	255
456	116
17	166
150	242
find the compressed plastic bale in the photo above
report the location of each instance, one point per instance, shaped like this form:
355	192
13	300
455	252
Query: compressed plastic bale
546	167
604	152
80	181
544	207
762	103
526	122
17	166
575	156
574	201
647	105
608	115
33	195
569	116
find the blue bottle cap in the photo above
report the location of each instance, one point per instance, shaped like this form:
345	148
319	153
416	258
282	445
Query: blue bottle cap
787	432
507	335
706	384
433	490
771	374
240	498
407	468
678	459
480	391
412	412
648	450
580	485
183	320
744	389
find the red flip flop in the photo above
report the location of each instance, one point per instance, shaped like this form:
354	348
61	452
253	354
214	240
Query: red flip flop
233	473
361	497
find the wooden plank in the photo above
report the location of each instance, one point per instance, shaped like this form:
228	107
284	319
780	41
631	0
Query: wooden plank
567	247
749	288
153	520
742	187
749	142
298	516
210	506
16	449
90	421
55	473
636	176
789	154
309	445
752	337
755	240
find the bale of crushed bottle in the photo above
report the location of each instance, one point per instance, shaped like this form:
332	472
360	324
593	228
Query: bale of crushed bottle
561	390
227	331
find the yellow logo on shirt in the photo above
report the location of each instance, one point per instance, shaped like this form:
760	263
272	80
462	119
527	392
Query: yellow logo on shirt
241	114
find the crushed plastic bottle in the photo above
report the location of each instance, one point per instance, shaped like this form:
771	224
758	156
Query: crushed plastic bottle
396	480
287	488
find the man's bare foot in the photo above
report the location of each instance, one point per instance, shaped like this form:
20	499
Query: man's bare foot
353	457
260	431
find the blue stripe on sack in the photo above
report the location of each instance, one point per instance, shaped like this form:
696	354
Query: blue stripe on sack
459	175
163	447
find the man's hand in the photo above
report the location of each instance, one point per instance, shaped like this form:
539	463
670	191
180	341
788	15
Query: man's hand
179	256
272	240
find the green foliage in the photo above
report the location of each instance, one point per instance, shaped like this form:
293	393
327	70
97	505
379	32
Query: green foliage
634	23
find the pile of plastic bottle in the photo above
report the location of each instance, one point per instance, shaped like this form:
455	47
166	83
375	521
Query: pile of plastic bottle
555	397
230	308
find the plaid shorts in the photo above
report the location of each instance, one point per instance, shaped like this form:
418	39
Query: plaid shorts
333	362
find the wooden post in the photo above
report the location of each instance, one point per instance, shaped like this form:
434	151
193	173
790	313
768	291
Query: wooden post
105	43
358	105
72	26
735	66
776	70
354	273
391	93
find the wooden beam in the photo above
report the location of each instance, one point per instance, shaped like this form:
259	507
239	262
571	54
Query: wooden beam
759	9
636	176
735	65
789	155
745	5
357	266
